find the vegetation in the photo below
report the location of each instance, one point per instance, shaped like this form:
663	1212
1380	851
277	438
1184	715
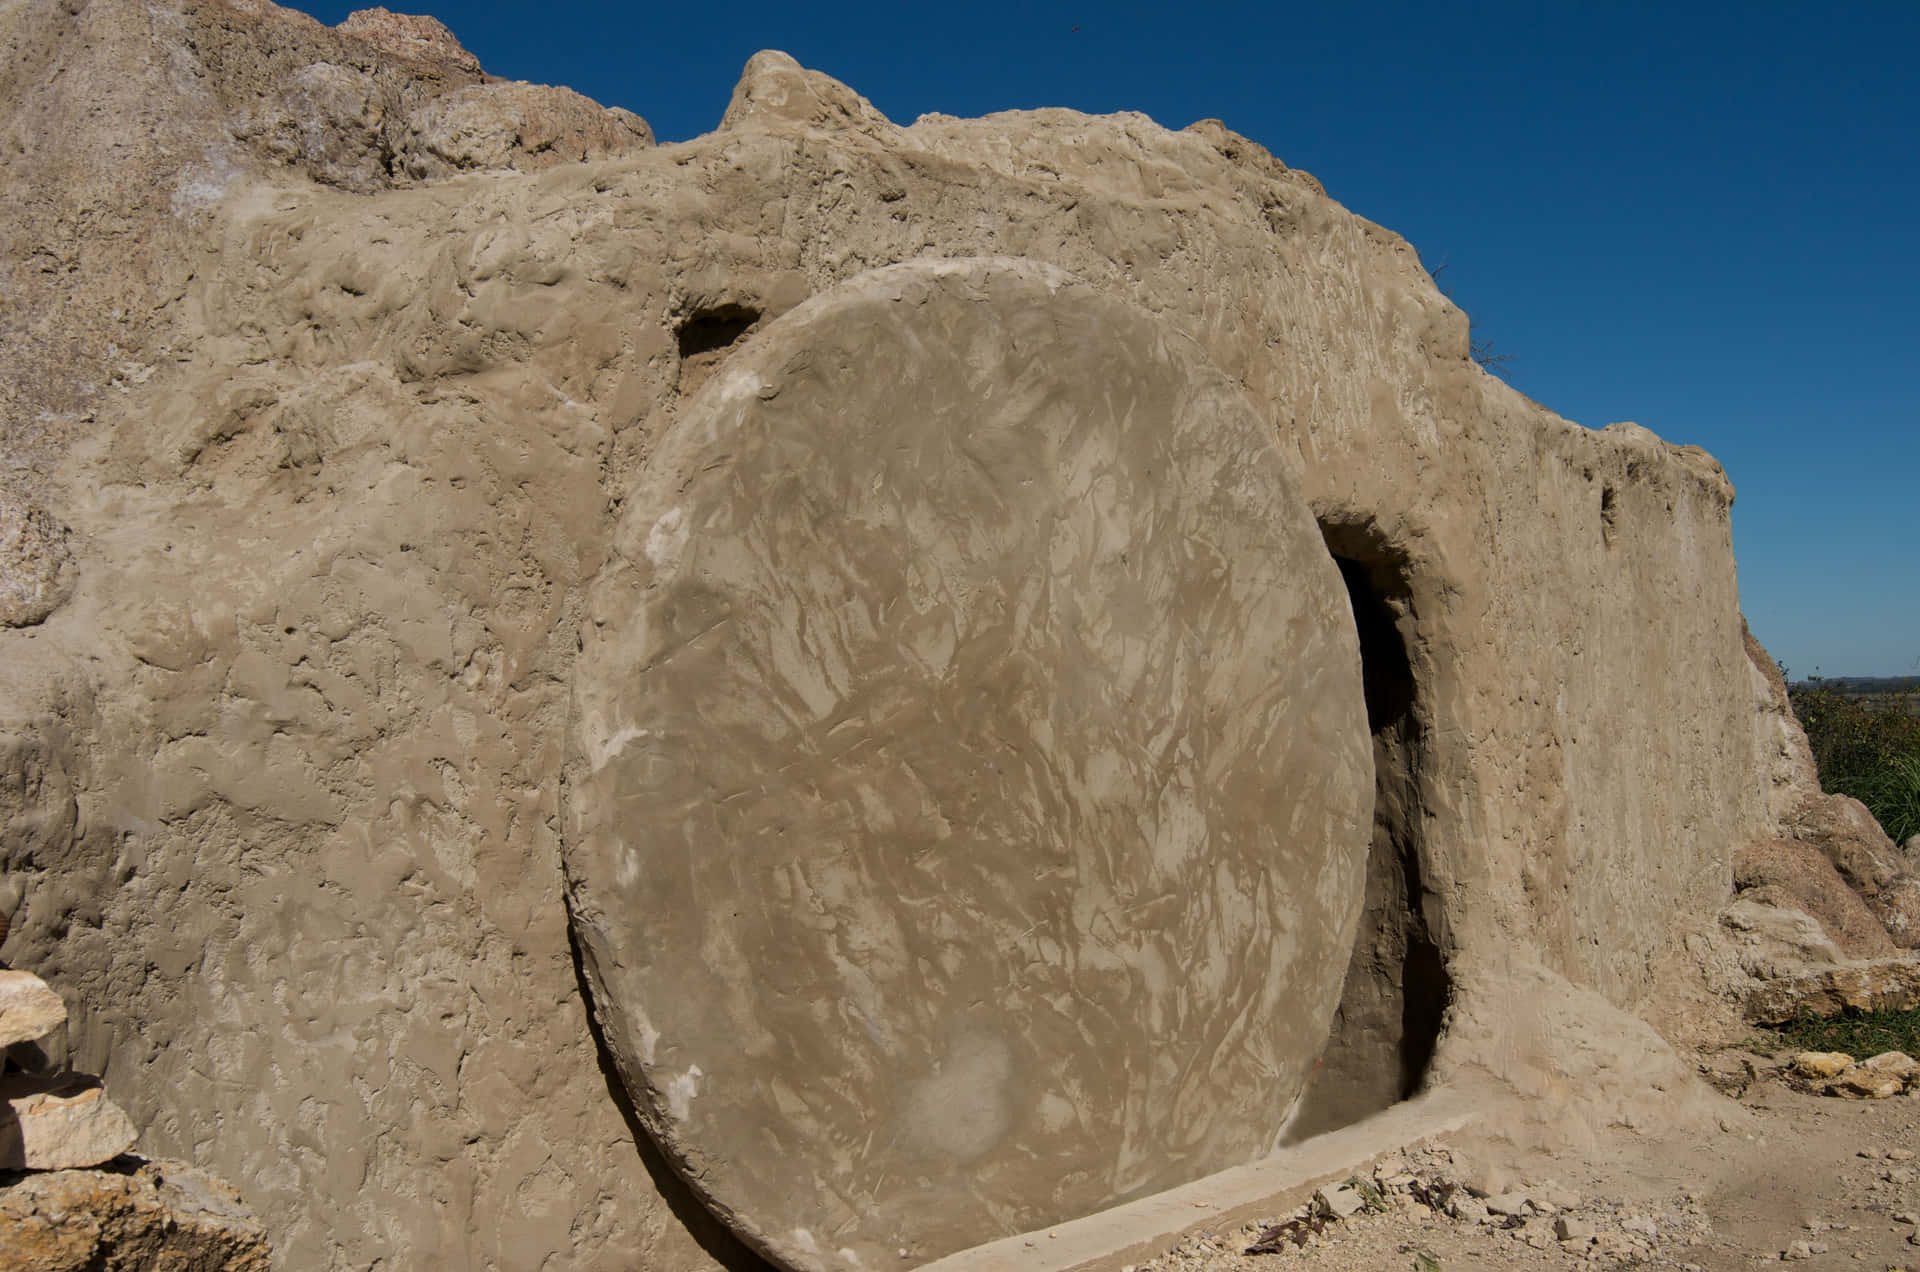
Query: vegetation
1858	1033
1866	745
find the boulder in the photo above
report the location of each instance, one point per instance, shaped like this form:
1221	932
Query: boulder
1822	1064
29	1009
1774	937
156	1215
1897	1064
59	1123
1862	1083
1877	985
1842	829
1799	875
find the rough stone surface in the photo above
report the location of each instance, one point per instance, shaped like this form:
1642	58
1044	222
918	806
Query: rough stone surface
158	1216
340	450
1879	985
1862	1083
36	567
58	1123
1822	1064
29	1009
1893	1063
969	638
1872	864
1802	877
1777	939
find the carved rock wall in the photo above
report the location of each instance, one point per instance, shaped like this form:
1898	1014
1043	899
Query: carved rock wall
286	772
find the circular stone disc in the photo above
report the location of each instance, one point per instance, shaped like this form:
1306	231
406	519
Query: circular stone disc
970	778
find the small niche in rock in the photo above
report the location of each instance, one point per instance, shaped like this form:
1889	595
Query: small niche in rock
1609	514
706	336
1393	1006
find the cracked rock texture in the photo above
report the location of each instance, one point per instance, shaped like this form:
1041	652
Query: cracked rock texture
335	365
147	1216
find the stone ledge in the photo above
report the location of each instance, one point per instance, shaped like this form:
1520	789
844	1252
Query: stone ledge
1137	1230
1891	984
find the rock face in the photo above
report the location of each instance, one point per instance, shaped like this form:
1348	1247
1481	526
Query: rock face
160	1214
348	459
969	636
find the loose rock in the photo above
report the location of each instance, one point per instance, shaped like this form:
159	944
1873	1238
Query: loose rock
1341	1202
163	1215
1862	1083
1822	1064
60	1123
29	1009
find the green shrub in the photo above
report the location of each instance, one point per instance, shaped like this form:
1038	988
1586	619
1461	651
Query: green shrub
1867	747
1858	1033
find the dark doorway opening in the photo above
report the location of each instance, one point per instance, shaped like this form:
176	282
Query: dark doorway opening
1394	1004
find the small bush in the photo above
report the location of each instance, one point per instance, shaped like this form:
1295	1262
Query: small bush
1858	1033
1867	747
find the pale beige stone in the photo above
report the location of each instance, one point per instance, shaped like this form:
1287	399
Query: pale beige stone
29	1009
1896	1064
59	1123
1822	1064
1862	1083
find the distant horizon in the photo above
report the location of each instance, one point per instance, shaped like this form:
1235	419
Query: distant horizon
1699	224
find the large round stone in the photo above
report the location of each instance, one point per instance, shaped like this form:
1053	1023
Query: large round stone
971	779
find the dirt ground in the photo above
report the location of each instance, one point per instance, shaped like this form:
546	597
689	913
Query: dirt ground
1814	1181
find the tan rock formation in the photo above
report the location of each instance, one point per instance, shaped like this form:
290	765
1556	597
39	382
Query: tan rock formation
1798	875
160	1215
340	449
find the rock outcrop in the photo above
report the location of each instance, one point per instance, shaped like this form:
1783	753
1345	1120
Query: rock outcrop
340	384
140	1218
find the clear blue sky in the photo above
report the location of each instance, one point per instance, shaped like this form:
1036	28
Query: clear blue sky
1704	218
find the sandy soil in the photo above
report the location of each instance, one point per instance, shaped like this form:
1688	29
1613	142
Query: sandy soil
1811	1180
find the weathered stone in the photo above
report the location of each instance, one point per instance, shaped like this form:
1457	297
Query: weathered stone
978	706
1842	828
1862	1083
161	1215
1884	985
1340	1202
1798	874
1894	1064
1640	1226
37	569
58	1123
29	1009
1509	1203
1822	1064
1467	1208
1573	1228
